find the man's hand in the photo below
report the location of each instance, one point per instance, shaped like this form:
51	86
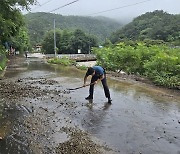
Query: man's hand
102	77
95	82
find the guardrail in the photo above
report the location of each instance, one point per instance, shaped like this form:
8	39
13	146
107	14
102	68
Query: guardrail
77	57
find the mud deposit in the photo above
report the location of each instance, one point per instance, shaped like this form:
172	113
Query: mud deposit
35	116
39	115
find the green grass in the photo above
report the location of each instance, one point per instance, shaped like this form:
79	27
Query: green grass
62	61
83	67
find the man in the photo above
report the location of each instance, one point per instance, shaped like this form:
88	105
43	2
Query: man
98	74
26	53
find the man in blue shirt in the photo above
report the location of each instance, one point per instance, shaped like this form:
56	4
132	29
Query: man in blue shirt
98	74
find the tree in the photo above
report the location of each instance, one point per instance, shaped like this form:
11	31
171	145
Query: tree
21	40
64	45
82	41
107	43
157	25
48	42
68	42
41	22
11	19
10	16
78	41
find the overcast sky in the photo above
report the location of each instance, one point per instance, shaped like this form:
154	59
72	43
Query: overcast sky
118	9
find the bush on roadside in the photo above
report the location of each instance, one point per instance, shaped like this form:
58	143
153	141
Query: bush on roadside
159	63
164	69
83	67
63	61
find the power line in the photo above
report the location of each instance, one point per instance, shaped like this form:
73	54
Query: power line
119	7
64	5
42	5
59	7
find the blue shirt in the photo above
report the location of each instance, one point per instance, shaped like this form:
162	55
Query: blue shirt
99	71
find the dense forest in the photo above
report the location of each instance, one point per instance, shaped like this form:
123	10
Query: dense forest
157	25
40	23
68	42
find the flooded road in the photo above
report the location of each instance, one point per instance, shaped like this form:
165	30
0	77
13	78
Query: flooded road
39	115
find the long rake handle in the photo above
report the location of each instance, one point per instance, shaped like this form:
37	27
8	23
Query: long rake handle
81	86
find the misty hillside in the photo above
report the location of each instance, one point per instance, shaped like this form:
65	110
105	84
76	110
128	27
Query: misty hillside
157	25
39	23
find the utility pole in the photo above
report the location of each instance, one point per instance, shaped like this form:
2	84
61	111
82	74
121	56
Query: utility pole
55	38
89	41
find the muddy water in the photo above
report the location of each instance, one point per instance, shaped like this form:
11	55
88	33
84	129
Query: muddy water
139	120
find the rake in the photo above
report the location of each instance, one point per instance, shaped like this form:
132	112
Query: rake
81	86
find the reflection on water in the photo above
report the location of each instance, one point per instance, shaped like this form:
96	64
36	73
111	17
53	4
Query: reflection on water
94	117
137	90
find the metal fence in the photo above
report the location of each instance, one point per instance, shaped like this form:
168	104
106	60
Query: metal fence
74	56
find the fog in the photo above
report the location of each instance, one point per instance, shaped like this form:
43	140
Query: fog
121	10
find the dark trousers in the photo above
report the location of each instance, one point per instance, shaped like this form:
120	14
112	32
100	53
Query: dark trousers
104	83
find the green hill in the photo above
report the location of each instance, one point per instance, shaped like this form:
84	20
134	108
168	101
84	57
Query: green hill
39	23
157	25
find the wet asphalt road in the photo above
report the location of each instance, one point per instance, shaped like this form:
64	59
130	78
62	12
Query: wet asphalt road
139	120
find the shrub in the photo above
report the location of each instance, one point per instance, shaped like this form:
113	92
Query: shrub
63	61
158	62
